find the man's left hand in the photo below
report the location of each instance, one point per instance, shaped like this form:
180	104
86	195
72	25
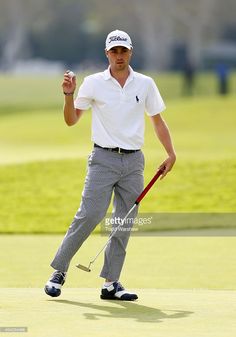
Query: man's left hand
167	165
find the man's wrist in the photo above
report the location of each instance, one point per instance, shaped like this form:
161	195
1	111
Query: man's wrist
68	93
172	155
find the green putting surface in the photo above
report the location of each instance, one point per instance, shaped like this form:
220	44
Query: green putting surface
151	262
80	312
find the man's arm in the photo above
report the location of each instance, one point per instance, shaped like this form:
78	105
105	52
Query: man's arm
163	133
71	115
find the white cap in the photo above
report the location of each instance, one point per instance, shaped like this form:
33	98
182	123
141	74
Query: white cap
118	38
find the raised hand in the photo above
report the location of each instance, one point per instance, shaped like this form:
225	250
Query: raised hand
69	83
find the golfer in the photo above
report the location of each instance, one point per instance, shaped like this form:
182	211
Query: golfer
118	98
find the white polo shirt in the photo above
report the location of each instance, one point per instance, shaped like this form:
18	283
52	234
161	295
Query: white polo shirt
118	113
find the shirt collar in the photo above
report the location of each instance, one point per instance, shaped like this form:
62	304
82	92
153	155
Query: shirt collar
107	74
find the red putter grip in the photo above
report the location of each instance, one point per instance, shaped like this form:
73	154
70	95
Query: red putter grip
147	188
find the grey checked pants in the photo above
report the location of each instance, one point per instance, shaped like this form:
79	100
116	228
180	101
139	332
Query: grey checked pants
108	172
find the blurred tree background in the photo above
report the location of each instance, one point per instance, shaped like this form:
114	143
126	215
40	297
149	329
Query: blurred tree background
166	32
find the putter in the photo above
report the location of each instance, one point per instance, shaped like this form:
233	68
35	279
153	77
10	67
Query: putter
137	201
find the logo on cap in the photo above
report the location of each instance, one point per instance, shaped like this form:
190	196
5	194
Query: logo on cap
117	38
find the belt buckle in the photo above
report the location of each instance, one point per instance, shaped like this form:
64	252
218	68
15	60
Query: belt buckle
119	150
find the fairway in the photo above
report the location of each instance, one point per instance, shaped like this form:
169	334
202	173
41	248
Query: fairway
80	312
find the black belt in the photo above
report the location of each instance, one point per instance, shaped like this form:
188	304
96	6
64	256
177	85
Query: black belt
115	149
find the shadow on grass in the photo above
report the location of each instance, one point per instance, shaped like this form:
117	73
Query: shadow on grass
133	310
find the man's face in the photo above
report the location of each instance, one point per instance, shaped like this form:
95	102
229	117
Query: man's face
119	58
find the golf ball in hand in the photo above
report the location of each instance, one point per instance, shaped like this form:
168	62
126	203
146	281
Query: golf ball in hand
71	74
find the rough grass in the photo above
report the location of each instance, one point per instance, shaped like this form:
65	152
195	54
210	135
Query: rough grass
43	196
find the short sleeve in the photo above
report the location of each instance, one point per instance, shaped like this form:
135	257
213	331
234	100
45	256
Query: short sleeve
154	101
84	97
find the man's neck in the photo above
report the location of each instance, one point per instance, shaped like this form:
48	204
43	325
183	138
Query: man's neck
120	76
